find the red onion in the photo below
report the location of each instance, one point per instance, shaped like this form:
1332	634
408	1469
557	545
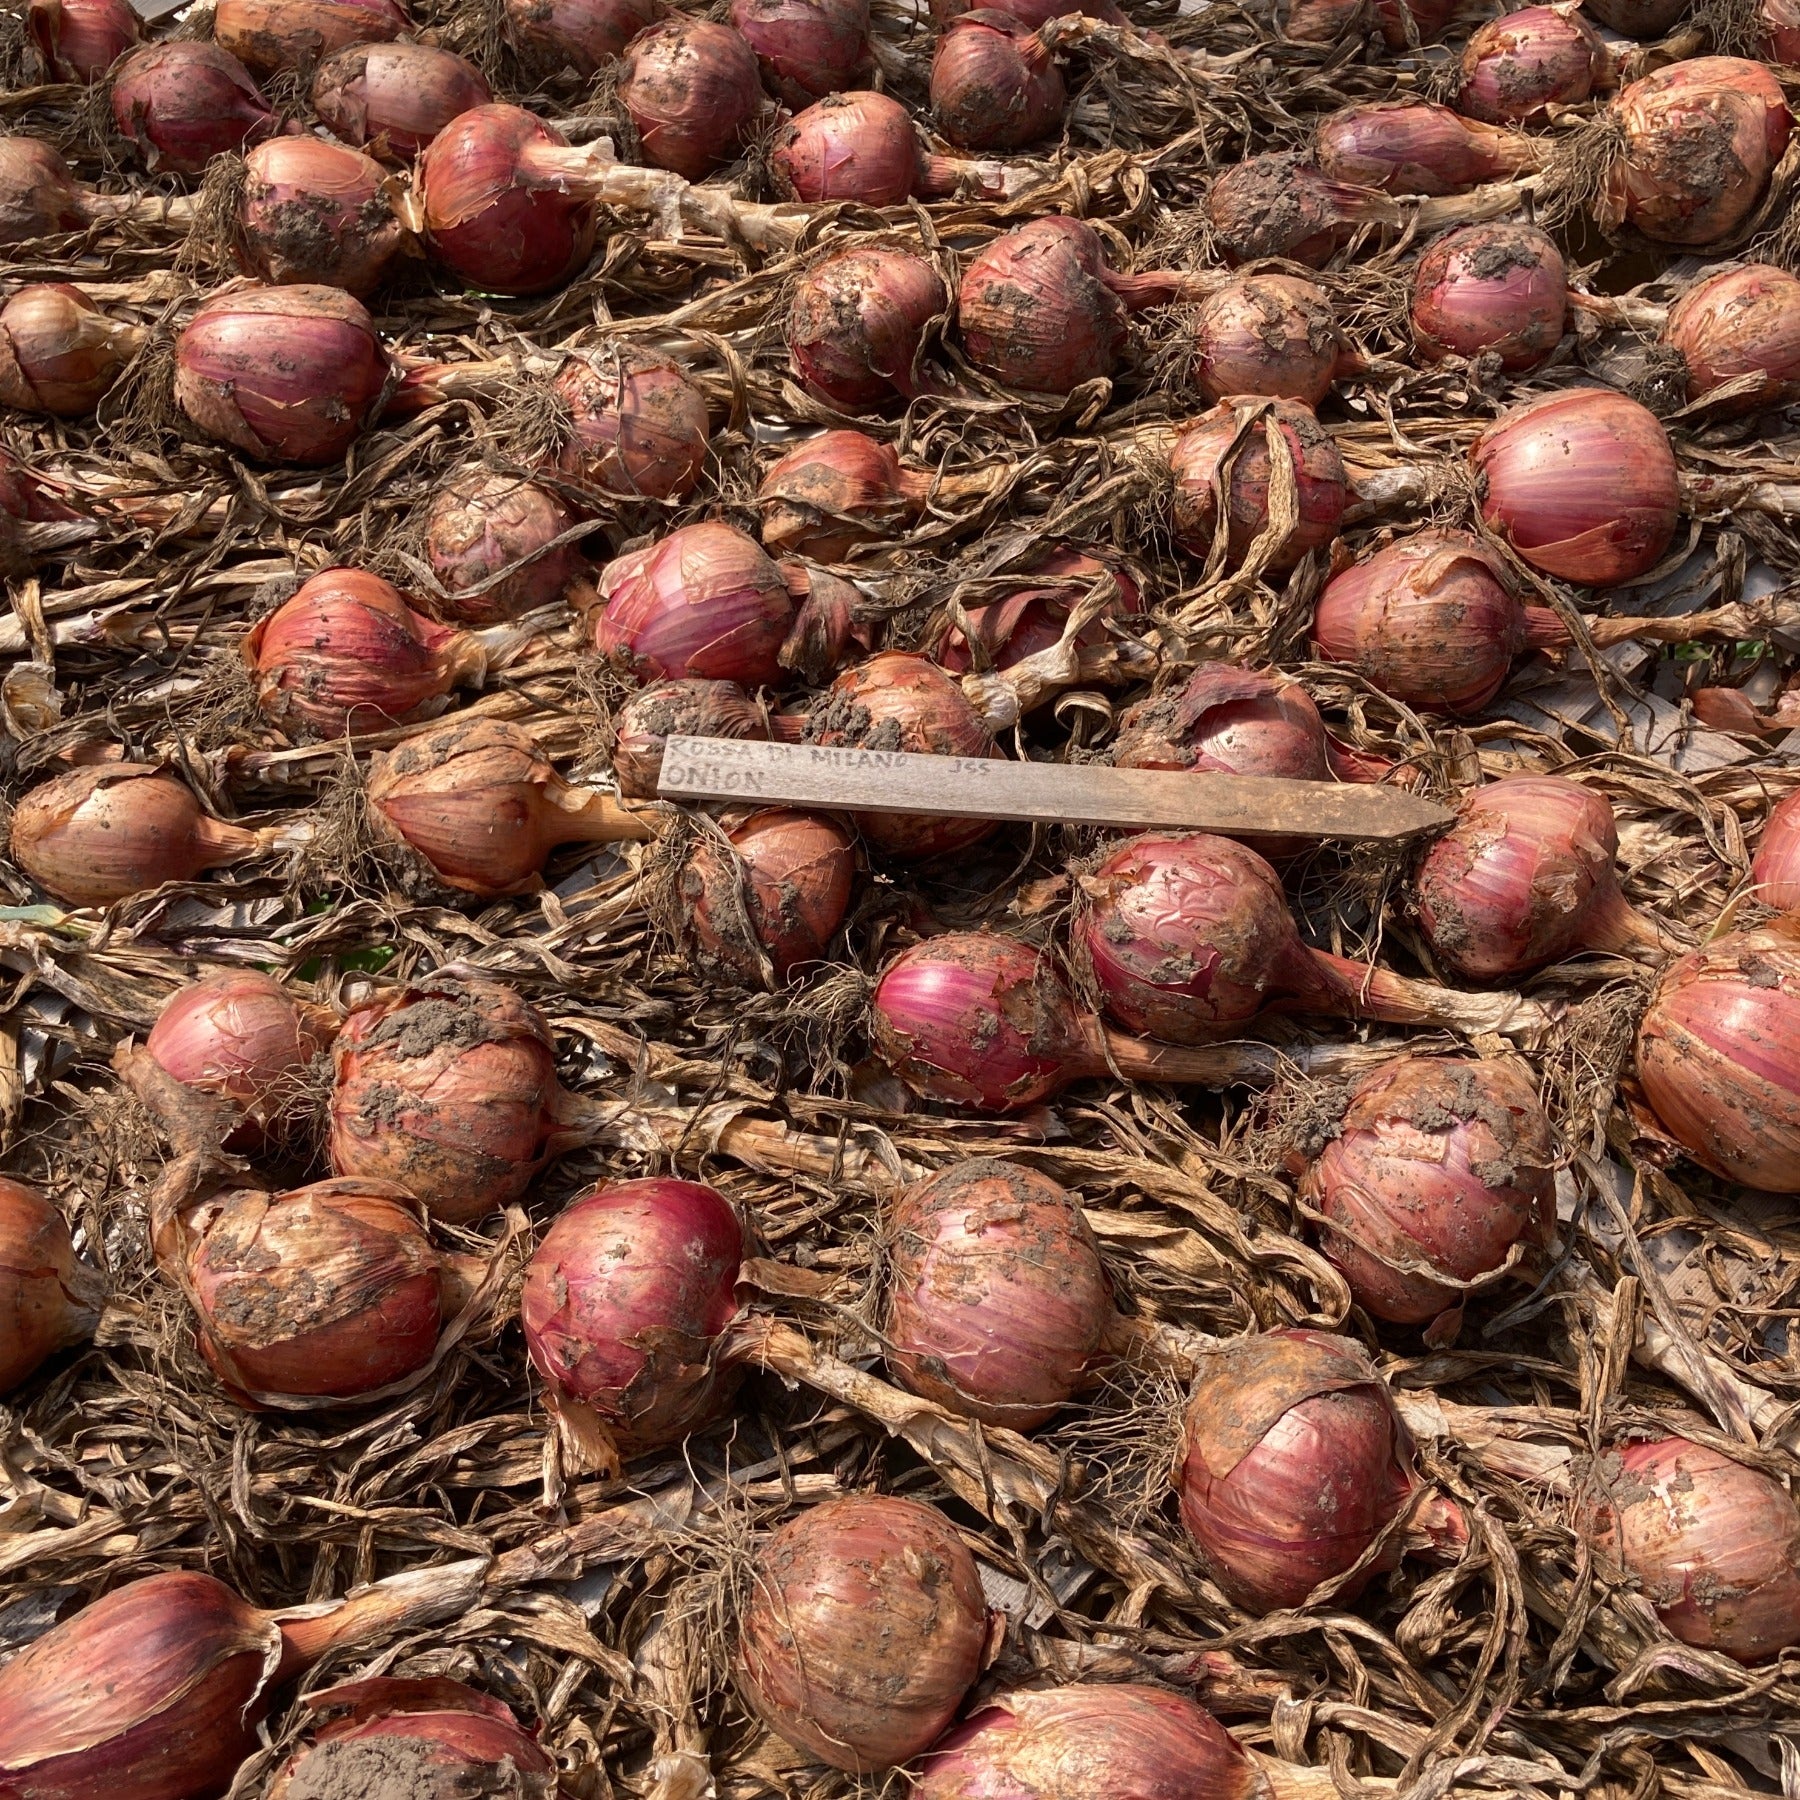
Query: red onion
994	85
865	1627
59	353
1293	1462
997	1301
1493	289
579	35
395	98
312	211
705	601
1710	1540
1517	66
806	49
1776	870
834	492
100	834
897	701
49	1298
38	195
1189	935
1527	876
485	807
486	538
1439	1170
777	890
1032	13
1743	321
1325	21
240	1035
285	374
1279	204
858	322
346	654
1716	1058
1266	334
449	1089
860	146
693	91
1202	476
1780	38
1639	19
1079	1743
425	1736
328	1291
1701	140
1040	310
677	709
271	35
180	102
1229	720
79	39
1415	147
624	1303
639	426
1034	616
1583	482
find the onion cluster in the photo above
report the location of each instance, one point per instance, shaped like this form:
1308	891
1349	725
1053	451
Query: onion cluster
180	102
1776	870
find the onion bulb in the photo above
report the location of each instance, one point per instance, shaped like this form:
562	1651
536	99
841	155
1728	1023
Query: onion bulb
638	426
860	146
997	1301
775	891
488	541
1717	1057
1710	1540
1583	482
1399	25
806	49
994	84
79	39
49	1298
582	36
38	194
272	35
1493	289
1279	204
1742	321
1034	615
688	708
1515	67
1228	720
312	211
395	98
449	1089
1416	147
1776	871
1225	457
181	102
285	374
693	91
1266	334
103	833
1525	876
624	1302
1293	1462
834	492
59	353
857	324
810	1666
1439	1169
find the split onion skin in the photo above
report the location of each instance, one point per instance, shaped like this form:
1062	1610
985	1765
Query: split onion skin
864	1628
481	525
59	353
638	427
997	1301
395	98
832	493
1776	870
806	49
49	1298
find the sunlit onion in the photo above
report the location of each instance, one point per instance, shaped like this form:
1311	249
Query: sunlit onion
312	211
38	194
79	39
271	35
1776	871
1230	720
1279	204
688	708
806	49
857	324
580	35
1051	580
639	427
181	102
49	1298
1266	334
859	146
487	539
994	85
395	98
59	353
834	492
1516	66
1742	321
693	90
1493	289
1416	147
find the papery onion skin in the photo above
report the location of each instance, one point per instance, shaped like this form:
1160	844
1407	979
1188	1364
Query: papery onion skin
1516	66
1228	720
488	221
449	1089
832	493
1527	875
326	1291
481	522
1776	870
1438	1165
1266	334
1293	1462
1415	147
1714	1543
1078	1743
806	49
857	322
1197	464
810	1666
581	35
639	426
271	35
704	601
1742	321
623	1304
1325	21
79	39
179	103
677	709
1279	204
785	875
313	211
857	146
1718	1056
1583	482
1494	289
693	90
395	98
1033	617
993	84
898	701
49	1298
997	1301
59	353
285	374
38	195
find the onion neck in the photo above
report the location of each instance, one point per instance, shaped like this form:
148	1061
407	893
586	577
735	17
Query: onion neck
586	815
1507	152
1159	287
381	1610
220	843
1106	1053
1614	924
1620	309
1316	981
424	384
941	176
1543	629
